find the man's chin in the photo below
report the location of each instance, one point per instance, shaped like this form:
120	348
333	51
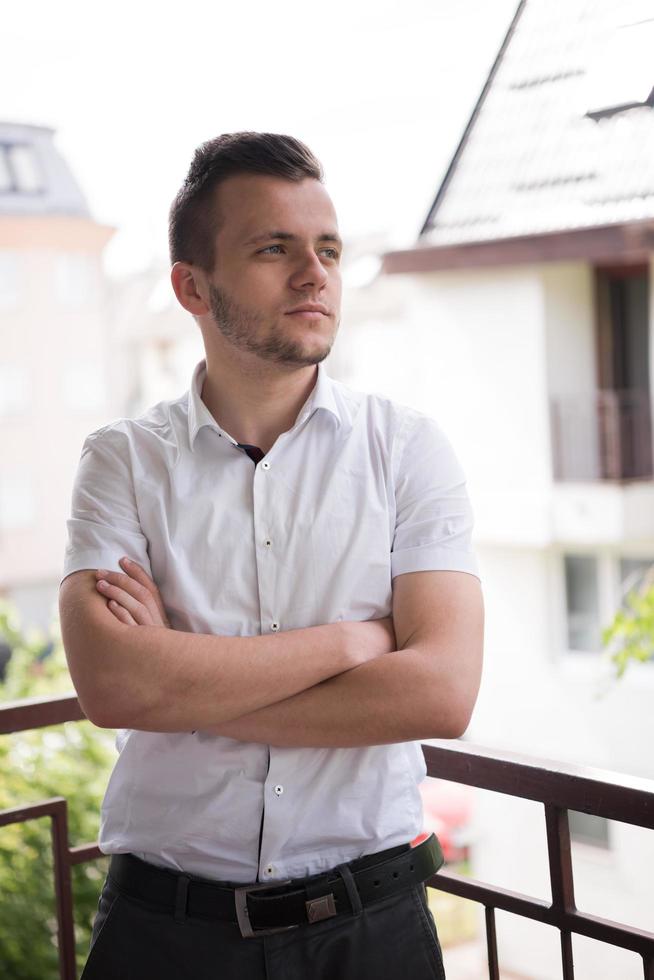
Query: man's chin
297	356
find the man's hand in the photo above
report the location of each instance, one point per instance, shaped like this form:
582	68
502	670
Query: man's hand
132	597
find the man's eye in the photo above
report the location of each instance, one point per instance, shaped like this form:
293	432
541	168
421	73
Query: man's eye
268	248
333	252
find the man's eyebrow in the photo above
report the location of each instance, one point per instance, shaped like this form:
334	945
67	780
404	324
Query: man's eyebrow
286	236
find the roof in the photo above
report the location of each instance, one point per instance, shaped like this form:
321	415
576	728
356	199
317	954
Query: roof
34	178
531	160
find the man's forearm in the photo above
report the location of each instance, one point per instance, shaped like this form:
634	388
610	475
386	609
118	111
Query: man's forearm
403	696
181	681
162	680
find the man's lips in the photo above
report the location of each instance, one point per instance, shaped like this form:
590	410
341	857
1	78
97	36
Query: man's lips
309	311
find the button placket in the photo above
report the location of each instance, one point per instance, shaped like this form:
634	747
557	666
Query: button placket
263	514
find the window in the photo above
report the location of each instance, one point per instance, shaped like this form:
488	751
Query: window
633	572
582	603
623	355
6	180
596	586
27	174
19	169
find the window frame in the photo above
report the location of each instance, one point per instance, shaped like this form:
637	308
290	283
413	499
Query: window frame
15	187
609	586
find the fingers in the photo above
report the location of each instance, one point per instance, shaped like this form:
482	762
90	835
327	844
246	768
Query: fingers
140	598
121	614
136	572
107	586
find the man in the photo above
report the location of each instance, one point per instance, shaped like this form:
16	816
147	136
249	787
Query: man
301	607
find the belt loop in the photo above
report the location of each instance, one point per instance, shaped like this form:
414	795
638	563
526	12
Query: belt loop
181	897
353	894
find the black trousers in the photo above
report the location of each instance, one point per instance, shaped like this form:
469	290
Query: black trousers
394	939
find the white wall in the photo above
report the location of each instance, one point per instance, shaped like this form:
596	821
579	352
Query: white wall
54	340
468	348
570	327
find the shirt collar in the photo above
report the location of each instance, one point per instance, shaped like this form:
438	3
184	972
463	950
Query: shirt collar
323	396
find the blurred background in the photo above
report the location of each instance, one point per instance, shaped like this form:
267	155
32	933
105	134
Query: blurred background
491	165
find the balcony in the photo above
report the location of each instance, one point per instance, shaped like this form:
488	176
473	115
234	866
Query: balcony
605	435
558	789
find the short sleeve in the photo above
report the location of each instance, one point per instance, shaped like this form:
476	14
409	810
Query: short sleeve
104	523
434	520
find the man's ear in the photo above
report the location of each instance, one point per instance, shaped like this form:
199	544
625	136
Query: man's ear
188	285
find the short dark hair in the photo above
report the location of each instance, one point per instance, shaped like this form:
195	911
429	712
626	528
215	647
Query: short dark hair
192	217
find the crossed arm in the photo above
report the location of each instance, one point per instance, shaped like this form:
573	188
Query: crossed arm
425	688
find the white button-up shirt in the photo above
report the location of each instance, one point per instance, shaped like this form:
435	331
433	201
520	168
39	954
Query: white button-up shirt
359	490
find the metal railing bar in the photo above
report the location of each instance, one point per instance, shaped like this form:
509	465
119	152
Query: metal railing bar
625	798
558	787
605	930
611	795
566	955
491	944
57	810
30	713
30	811
85	852
560	857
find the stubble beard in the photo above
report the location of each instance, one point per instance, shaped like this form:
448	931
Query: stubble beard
247	331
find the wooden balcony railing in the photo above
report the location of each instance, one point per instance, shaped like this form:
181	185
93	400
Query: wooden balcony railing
604	794
606	435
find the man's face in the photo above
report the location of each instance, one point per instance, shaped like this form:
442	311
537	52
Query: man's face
275	289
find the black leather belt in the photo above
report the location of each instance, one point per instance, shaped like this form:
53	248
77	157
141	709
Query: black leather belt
262	908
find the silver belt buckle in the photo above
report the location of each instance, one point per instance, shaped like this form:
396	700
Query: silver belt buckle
242	914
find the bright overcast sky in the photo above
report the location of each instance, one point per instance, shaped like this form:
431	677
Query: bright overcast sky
379	90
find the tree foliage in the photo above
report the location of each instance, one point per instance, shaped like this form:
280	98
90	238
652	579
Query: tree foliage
630	637
72	760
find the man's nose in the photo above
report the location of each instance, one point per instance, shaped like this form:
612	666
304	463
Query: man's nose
309	272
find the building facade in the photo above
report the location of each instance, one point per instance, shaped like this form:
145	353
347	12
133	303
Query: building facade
55	359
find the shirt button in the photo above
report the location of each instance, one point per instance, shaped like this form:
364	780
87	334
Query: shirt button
279	790
265	465
274	627
269	869
268	543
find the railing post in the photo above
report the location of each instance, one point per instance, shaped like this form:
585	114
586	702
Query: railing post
491	944
561	878
63	892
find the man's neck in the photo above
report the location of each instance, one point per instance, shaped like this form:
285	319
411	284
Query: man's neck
255	401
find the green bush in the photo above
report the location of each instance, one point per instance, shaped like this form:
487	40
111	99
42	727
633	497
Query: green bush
72	760
630	637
